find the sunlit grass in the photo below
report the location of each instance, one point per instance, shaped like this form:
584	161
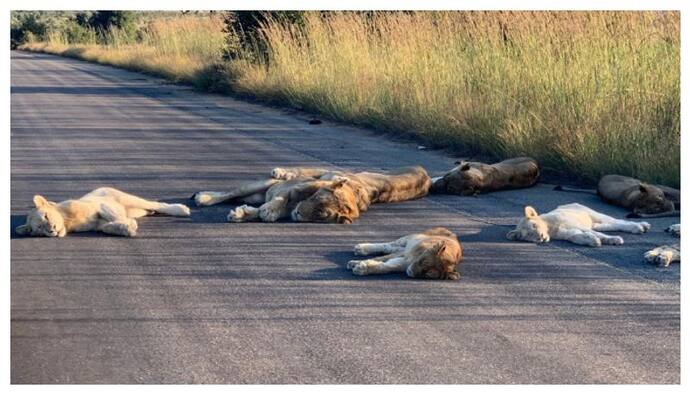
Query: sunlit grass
589	93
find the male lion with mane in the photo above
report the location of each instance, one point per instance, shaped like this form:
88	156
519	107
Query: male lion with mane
433	254
105	209
319	195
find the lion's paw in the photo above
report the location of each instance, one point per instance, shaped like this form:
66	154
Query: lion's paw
282	173
362	268
237	215
674	229
202	198
182	210
352	264
650	256
645	226
615	240
360	250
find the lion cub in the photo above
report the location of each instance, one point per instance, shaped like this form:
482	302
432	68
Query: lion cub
575	223
433	254
104	209
665	255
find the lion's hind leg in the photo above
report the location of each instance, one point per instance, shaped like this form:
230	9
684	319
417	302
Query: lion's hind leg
621	225
389	264
366	249
137	207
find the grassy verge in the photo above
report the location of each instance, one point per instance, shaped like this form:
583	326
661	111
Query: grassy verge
588	93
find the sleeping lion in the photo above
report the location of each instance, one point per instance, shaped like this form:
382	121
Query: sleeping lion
644	200
433	254
104	209
575	223
664	255
472	178
319	195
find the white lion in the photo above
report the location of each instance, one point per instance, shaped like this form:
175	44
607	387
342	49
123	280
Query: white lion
104	209
575	223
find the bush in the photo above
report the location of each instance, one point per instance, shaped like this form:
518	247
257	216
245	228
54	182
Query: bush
105	22
27	27
243	35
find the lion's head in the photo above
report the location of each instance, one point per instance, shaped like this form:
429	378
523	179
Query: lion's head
531	228
438	261
463	179
648	199
334	204
44	220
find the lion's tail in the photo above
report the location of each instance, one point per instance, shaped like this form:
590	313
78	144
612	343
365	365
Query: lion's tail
562	188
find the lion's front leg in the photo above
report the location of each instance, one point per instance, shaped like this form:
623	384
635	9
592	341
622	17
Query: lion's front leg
116	221
243	213
211	198
273	210
376	266
291	173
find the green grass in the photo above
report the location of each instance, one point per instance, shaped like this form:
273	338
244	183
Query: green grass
587	93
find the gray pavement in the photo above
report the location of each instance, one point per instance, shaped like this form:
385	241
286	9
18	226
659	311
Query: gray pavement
199	300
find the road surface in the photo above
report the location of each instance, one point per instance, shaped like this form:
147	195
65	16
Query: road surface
200	300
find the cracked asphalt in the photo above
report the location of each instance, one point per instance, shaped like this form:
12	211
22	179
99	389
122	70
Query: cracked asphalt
200	300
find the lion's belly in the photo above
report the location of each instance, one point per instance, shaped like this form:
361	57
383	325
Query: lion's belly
570	218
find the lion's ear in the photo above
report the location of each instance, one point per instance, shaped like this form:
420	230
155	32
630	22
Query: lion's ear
24	229
40	201
512	235
465	166
440	248
530	212
342	219
643	188
339	182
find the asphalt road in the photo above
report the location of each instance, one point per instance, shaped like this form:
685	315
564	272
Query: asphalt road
200	300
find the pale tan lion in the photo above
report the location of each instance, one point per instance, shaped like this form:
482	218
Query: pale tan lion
665	255
319	195
104	209
471	178
575	223
433	254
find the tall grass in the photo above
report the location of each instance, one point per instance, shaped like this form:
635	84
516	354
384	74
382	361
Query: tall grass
589	93
179	48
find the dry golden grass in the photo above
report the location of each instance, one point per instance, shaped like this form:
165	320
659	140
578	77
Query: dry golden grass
179	48
591	93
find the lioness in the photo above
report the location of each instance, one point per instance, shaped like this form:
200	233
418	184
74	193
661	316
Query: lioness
433	254
104	209
319	195
666	254
643	199
472	178
575	223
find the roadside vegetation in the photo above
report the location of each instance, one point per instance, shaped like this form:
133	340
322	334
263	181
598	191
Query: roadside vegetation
587	93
